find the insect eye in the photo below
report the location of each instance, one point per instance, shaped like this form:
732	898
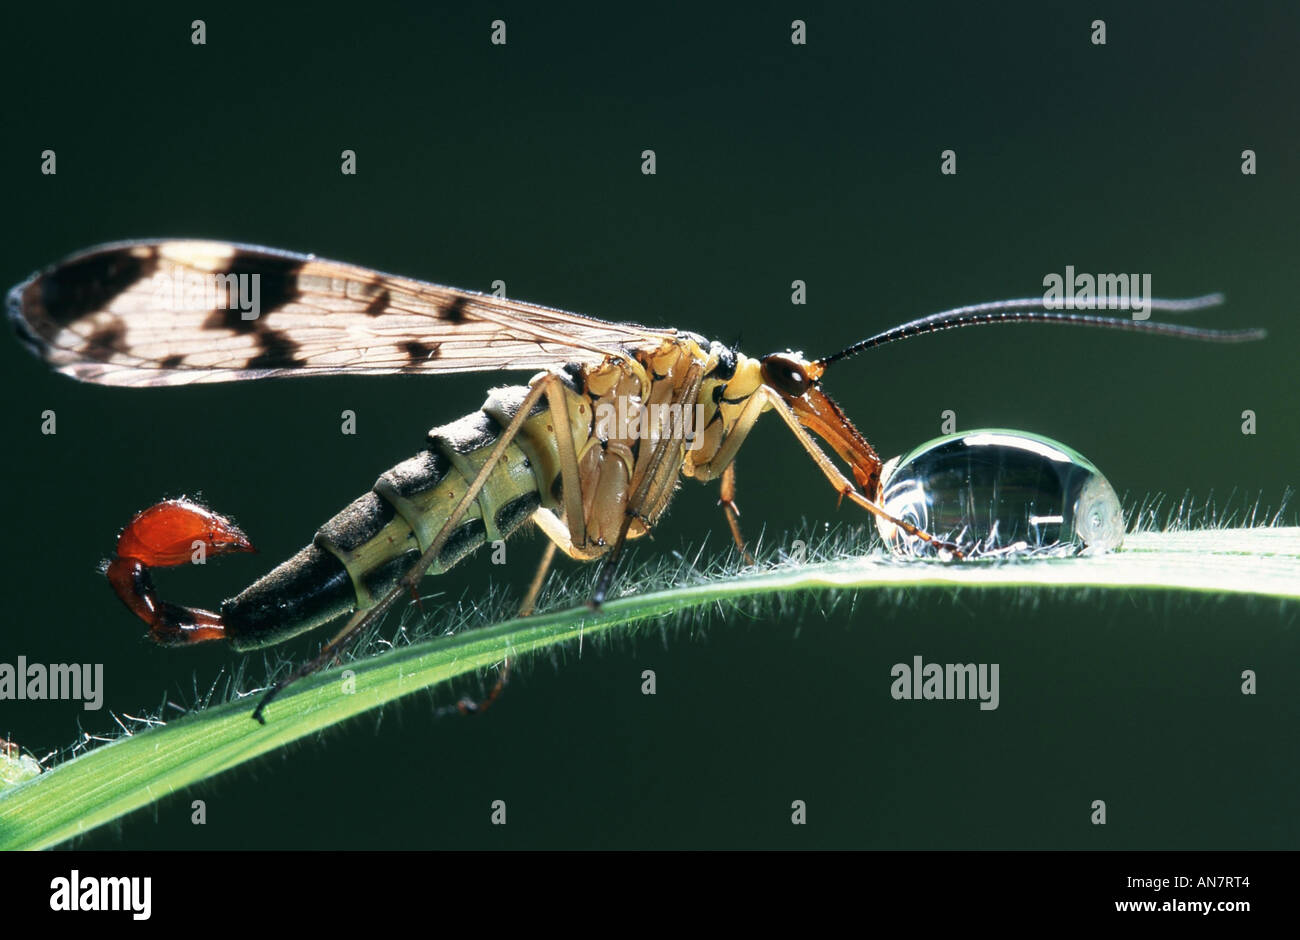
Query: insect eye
785	374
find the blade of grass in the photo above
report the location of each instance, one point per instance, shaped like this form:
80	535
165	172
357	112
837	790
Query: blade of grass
134	771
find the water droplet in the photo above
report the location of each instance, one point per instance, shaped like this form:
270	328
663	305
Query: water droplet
997	492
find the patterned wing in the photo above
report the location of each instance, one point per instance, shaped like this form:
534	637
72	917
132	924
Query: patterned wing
181	312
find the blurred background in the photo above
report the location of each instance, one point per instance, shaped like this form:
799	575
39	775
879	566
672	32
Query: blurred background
775	162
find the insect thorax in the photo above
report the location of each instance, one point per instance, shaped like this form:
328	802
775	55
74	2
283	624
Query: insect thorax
643	399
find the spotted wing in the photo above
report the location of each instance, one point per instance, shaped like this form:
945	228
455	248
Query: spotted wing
183	312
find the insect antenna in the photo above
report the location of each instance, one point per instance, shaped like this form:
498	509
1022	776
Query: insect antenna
1034	310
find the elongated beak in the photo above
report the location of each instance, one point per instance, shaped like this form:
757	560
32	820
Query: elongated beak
823	417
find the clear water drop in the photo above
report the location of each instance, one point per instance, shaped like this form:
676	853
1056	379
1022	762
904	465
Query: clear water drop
997	492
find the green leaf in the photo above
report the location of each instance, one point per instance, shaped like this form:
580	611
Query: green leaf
139	769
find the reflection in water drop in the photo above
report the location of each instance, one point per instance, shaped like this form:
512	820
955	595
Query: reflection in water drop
997	492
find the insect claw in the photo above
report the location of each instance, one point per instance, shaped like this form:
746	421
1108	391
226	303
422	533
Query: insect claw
467	705
167	534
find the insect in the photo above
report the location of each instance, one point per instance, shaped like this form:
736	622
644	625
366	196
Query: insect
591	449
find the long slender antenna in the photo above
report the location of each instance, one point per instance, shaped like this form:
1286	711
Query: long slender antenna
1034	310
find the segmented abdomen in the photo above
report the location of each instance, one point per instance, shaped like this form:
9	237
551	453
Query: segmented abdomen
361	553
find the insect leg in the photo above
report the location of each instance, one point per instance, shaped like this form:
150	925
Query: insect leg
609	563
558	536
647	490
843	485
731	511
722	466
357	624
570	476
530	599
469	706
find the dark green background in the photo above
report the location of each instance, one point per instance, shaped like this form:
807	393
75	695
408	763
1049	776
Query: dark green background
775	162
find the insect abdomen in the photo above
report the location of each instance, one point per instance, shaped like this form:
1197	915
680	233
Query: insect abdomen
309	589
362	552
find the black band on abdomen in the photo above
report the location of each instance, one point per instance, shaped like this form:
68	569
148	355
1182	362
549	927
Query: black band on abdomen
309	589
